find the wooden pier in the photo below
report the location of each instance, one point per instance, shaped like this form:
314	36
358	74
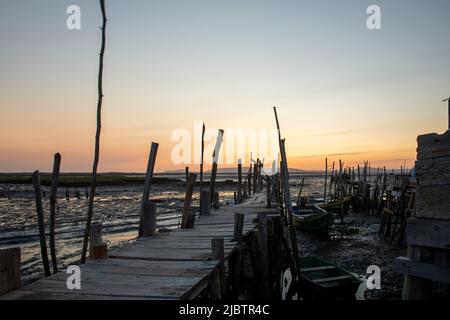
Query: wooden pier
175	265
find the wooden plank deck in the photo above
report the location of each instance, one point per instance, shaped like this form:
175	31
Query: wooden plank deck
173	265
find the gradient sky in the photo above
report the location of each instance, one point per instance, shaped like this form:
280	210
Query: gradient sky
341	90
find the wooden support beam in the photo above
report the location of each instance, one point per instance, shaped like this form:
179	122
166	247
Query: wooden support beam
9	270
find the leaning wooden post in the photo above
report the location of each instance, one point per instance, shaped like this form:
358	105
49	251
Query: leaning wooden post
149	219
97	139
40	217
249	180
98	250
148	183
218	253
186	172
238	226
53	190
188	200
9	270
214	165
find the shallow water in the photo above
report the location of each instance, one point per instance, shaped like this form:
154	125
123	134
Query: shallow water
116	206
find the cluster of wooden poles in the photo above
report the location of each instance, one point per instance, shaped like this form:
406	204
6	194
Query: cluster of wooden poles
390	196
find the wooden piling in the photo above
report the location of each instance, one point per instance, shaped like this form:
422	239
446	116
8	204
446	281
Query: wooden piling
239	190
205	208
186	172
149	219
53	191
148	182
218	253
10	278
216	200
98	250
264	254
188	200
40	216
238	226
236	272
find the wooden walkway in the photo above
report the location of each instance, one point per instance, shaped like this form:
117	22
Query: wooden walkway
173	265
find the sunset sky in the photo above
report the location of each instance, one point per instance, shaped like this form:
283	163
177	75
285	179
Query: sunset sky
341	90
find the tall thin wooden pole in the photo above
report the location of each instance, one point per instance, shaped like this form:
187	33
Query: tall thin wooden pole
97	138
201	166
40	215
53	190
326	177
215	161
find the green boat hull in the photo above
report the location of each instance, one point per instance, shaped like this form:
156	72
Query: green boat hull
320	279
319	221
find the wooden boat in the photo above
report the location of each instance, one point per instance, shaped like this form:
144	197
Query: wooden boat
313	218
320	279
336	206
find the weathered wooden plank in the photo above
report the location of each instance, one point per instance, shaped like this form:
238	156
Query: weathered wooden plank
433	145
433	202
423	270
174	265
428	233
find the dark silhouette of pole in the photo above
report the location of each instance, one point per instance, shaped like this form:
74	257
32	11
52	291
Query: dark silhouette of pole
97	138
53	191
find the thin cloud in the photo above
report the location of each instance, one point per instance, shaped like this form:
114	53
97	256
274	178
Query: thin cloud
331	155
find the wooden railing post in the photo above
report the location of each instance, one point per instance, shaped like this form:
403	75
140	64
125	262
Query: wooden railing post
9	270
